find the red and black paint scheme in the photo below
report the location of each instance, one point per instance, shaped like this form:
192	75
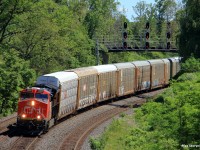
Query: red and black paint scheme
34	108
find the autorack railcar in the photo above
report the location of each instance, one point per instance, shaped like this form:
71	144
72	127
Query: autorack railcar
59	94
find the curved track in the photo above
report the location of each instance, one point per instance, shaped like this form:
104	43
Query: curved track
75	139
74	131
23	143
5	123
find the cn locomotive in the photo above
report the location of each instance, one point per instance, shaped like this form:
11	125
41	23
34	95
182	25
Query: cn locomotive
59	94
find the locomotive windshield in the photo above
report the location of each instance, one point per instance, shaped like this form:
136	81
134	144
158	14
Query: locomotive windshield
41	97
26	95
38	96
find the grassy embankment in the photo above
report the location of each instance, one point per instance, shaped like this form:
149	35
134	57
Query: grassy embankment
169	121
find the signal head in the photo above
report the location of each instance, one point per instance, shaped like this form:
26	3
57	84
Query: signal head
147	25
147	35
125	35
125	25
147	45
125	45
168	35
168	45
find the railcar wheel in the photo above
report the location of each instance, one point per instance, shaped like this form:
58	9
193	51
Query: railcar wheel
55	120
46	127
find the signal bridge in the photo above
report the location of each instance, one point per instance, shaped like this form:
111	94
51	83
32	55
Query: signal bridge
138	44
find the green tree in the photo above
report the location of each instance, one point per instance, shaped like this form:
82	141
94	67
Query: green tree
14	75
191	65
157	15
189	37
166	10
99	18
51	38
8	10
145	13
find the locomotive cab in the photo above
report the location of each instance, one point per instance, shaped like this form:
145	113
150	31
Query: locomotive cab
34	111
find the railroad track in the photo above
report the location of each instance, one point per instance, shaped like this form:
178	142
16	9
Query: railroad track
5	123
76	130
7	134
4	131
75	139
23	143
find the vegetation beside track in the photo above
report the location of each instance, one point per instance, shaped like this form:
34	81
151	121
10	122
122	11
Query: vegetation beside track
40	37
169	121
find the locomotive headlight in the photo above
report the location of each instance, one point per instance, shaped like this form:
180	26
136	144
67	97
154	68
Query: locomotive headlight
32	103
38	117
23	116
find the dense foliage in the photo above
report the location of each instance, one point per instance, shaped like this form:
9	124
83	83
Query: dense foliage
189	37
170	121
14	73
38	37
51	35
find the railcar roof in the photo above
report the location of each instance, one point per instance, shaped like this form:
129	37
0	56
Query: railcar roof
166	60
56	78
105	68
141	63
156	61
172	59
124	65
84	71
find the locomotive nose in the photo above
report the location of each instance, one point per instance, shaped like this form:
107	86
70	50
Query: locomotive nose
32	109
32	103
23	115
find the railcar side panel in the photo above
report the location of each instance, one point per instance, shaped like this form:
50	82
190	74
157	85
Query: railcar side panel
87	86
87	90
178	65
167	70
157	73
107	82
107	85
125	78
172	67
68	98
143	75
